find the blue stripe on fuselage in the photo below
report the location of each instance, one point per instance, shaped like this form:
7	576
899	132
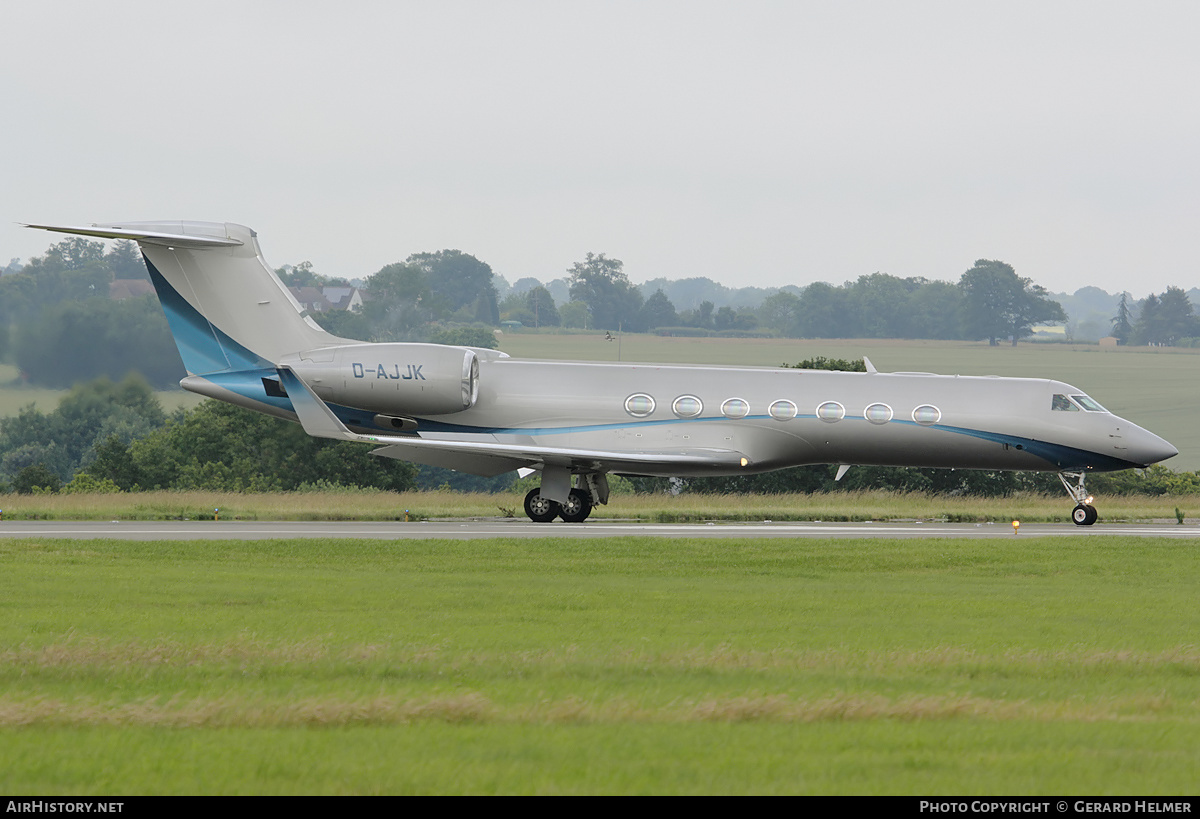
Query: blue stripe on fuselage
1060	456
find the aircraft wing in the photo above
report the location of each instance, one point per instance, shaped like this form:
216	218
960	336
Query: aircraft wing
490	458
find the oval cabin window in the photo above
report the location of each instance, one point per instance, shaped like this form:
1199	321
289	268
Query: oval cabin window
878	413
782	410
927	414
639	405
735	408
831	412
687	406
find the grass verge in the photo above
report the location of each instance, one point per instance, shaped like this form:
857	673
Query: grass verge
371	504
628	665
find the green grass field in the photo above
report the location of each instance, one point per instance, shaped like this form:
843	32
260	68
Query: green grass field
629	665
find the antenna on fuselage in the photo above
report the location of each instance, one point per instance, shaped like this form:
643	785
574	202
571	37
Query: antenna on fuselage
870	367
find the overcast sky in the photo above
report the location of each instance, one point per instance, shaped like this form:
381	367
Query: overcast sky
755	143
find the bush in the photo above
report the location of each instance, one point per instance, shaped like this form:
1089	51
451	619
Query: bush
466	337
36	477
85	484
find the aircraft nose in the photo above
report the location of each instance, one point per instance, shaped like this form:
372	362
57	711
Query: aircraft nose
1145	448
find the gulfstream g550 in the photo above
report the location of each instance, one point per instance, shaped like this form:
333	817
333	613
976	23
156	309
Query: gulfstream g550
244	339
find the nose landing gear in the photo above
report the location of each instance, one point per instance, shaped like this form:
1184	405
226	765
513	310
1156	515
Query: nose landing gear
1084	514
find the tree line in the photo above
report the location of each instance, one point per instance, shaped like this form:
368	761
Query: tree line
58	324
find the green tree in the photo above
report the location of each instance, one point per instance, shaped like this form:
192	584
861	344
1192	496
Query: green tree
780	313
729	319
78	340
400	300
125	261
222	447
458	280
600	283
576	314
541	305
113	462
1122	322
18	297
1146	330
65	439
877	307
822	312
658	311
299	275
34	477
820	362
72	253
934	310
1176	317
701	317
997	303
345	323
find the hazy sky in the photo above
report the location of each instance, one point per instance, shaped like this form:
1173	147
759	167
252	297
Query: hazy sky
763	143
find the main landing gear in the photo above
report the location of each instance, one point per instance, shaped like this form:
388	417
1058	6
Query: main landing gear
543	510
577	503
1084	514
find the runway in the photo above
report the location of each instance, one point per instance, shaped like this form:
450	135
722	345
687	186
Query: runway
513	528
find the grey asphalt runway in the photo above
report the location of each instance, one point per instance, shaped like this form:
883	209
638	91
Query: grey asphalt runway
496	527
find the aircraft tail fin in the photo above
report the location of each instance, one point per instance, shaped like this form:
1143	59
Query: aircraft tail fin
226	308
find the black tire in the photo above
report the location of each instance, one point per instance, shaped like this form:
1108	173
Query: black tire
1084	515
577	508
539	509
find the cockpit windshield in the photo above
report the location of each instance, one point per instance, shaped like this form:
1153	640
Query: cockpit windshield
1063	403
1088	404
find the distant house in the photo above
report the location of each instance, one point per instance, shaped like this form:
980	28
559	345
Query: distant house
121	289
343	298
311	299
321	299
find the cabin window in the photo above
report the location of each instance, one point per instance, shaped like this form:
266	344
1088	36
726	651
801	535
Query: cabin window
831	412
1088	404
1063	404
782	410
878	413
735	408
927	414
687	406
639	405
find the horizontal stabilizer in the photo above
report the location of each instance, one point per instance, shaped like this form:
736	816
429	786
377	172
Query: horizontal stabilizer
165	238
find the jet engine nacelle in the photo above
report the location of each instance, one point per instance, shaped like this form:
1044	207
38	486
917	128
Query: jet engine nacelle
392	379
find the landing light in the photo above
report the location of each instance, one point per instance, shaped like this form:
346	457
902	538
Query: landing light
1089	500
